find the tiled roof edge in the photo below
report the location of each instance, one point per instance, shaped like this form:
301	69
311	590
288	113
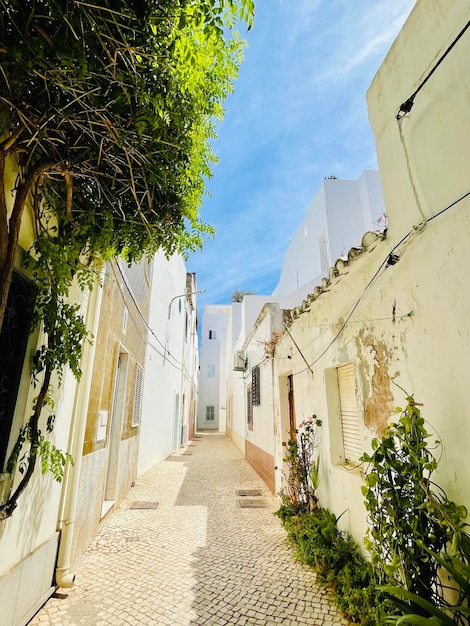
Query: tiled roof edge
368	239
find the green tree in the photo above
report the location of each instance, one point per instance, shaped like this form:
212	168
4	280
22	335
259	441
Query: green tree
239	294
107	110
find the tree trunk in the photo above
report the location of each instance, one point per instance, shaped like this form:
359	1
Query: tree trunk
10	226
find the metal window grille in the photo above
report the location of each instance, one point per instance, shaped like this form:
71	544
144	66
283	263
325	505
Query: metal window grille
249	409
255	386
210	413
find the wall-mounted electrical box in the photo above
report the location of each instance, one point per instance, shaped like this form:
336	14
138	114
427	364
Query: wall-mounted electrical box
239	361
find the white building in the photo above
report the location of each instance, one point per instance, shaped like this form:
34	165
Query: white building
211	412
338	216
170	384
392	318
340	213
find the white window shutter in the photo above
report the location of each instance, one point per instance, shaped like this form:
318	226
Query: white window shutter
349	413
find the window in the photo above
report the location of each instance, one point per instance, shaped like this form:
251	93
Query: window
255	380
210	413
349	413
137	406
212	334
249	409
13	341
210	370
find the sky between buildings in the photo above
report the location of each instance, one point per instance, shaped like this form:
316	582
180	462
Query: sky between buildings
298	115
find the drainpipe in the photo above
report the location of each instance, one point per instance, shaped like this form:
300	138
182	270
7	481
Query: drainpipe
63	576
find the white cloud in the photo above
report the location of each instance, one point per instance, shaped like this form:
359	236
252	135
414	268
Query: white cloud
298	114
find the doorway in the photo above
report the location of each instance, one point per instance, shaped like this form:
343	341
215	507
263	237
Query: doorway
290	399
115	430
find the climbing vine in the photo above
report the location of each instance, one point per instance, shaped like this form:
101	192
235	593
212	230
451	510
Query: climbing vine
107	113
303	462
411	518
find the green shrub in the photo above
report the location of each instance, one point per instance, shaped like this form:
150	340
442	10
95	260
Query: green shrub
411	608
301	479
335	558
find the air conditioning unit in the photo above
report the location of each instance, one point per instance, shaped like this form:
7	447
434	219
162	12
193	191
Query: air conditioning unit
239	361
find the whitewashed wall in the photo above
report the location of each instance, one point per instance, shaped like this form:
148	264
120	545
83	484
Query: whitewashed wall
410	319
29	539
213	359
340	213
162	421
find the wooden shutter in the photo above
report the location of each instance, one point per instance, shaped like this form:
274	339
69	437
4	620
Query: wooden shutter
137	407
349	413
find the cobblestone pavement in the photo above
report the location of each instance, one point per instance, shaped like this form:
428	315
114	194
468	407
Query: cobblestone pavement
197	559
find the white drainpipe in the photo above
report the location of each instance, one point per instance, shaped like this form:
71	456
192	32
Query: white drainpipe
63	576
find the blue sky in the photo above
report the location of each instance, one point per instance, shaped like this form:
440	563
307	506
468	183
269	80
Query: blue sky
298	114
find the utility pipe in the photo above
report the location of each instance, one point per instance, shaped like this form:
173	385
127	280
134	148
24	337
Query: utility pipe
63	576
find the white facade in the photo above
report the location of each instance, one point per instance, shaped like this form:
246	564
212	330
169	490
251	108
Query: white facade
338	216
170	384
340	213
211	413
241	324
397	311
29	540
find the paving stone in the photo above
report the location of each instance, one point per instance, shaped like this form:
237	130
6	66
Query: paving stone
197	559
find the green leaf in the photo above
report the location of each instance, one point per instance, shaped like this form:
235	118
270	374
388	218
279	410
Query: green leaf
417	600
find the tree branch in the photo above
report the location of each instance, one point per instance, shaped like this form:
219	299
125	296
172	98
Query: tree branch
3	213
7	509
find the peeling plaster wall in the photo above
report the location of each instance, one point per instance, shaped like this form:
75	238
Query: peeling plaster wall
404	326
409	329
375	357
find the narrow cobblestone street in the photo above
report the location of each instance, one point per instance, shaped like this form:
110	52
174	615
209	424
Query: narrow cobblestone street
199	558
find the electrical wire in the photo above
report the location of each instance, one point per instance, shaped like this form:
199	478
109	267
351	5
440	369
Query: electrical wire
266	358
390	259
177	364
406	106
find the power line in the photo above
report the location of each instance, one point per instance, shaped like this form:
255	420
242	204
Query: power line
406	106
390	259
177	363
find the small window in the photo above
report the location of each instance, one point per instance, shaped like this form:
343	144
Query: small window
137	406
212	334
255	386
210	413
249	409
211	370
